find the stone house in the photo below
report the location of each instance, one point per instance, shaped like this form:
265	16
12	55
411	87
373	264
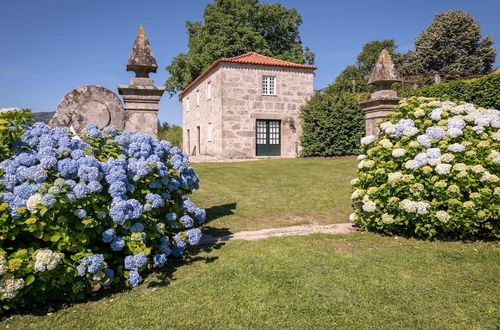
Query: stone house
246	106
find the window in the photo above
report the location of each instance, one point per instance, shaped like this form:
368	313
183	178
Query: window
209	132
209	90
187	104
268	85
198	97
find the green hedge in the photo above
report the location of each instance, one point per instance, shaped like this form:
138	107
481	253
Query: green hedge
332	124
484	92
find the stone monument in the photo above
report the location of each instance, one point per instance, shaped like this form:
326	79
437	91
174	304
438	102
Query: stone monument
141	97
100	106
89	104
384	98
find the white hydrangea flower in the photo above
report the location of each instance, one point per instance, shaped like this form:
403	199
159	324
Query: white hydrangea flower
477	168
3	265
367	139
369	206
456	147
394	176
424	140
487	176
385	143
469	205
436	114
357	194
447	158
9	286
419	113
354	181
352	217
456	123
431	104
385	125
398	152
496	136
435	132
461	167
368	163
434	161
454	132
421	159
442	169
433	153
46	260
33	201
361	157
478	129
411	164
423	207
408	206
410	131
391	130
443	216
387	219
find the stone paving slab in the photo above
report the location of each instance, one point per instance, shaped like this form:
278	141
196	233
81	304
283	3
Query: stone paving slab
339	228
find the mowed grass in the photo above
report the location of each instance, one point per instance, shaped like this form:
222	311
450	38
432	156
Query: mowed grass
359	280
275	193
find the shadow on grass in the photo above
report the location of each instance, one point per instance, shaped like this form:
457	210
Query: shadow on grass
154	278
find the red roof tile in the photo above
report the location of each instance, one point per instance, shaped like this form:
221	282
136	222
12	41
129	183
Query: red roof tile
497	71
248	58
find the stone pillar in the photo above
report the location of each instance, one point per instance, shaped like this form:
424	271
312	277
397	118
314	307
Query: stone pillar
384	98
141	97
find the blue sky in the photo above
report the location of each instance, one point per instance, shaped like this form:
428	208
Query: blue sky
49	47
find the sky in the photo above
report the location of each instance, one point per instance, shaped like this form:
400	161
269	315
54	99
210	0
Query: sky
50	47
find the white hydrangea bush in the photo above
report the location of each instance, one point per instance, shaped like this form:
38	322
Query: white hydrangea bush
433	171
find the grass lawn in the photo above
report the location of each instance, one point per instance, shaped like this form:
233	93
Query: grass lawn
275	193
357	280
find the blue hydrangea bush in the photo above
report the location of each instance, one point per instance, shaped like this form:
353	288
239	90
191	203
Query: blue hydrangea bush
433	171
78	215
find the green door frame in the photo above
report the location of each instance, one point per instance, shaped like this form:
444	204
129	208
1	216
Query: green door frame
268	137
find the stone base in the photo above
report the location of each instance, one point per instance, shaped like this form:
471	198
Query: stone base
143	122
375	110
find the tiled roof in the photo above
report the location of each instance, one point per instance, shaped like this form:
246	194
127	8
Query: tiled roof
496	71
248	58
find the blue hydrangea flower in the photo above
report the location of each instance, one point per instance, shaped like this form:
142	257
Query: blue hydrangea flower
117	189
165	245
92	131
135	261
80	213
118	244
155	199
48	162
187	204
171	216
194	236
435	132
134	278
92	264
81	190
108	235
88	173
67	167
187	221
78	153
159	260
179	241
94	187
200	215
48	200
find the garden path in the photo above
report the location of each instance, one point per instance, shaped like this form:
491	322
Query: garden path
338	228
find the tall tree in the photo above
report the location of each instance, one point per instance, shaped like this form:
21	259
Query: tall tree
233	27
452	43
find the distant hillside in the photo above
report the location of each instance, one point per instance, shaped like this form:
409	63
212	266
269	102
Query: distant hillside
42	116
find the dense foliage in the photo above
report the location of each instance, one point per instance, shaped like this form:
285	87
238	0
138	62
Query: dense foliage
12	125
484	92
234	27
78	215
354	78
171	133
432	171
452	43
332	124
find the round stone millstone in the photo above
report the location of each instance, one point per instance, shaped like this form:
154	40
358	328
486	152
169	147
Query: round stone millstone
89	105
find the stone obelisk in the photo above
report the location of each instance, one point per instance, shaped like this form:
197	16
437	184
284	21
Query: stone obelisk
141	97
384	98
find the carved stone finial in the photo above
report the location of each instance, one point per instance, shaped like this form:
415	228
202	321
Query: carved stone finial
385	71
142	60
